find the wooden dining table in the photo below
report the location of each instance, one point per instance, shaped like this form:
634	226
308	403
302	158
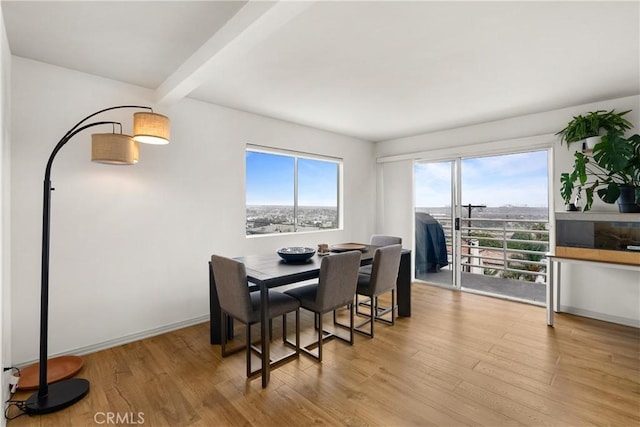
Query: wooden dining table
270	271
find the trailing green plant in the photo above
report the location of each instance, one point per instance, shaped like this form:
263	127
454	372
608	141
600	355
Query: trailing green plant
615	162
582	127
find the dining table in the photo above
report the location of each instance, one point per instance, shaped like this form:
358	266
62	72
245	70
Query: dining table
268	271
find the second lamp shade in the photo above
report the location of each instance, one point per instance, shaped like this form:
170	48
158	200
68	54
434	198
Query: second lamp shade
113	148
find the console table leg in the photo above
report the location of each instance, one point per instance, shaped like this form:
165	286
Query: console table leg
550	291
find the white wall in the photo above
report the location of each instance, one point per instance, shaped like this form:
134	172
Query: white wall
130	245
394	190
612	295
5	291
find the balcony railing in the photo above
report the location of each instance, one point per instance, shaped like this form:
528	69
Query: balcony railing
507	248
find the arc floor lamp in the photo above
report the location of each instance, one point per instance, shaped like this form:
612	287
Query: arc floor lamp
110	148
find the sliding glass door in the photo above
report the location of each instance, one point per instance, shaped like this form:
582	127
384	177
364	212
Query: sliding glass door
435	212
481	224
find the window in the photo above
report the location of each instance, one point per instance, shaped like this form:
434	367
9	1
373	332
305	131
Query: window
291	192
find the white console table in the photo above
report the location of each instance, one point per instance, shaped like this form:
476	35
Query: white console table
553	288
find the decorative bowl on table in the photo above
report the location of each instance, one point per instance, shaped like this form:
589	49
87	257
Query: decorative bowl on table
296	253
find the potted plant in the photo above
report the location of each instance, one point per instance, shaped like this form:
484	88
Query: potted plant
587	128
612	171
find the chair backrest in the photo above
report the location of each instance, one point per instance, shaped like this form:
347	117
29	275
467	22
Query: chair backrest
338	280
384	240
384	273
232	287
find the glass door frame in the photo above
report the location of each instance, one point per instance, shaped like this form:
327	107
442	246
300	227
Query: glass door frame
456	195
454	215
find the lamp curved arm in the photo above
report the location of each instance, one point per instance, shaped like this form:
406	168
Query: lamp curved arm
102	111
66	138
76	128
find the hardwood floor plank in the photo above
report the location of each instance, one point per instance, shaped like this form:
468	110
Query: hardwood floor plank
461	359
556	401
509	407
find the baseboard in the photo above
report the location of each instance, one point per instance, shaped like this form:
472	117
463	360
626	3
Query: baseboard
127	338
600	316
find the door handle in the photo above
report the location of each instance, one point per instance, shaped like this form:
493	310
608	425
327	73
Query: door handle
457	224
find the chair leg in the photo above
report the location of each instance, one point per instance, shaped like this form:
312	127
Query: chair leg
351	323
393	306
226	321
229	327
285	332
373	312
223	339
308	349
298	331
274	363
392	309
376	314
365	303
327	335
320	333
284	328
369	317
285	340
352	327
248	350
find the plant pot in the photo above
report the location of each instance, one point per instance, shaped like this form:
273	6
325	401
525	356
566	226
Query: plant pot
592	141
626	201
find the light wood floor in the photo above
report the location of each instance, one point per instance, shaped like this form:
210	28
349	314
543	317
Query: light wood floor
461	359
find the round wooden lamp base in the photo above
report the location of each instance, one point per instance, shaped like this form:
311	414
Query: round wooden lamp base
58	368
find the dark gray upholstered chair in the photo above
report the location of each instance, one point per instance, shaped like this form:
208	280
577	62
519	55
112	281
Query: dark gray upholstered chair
380	240
336	288
236	301
383	277
384	240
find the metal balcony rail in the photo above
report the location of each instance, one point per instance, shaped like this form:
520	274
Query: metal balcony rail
513	257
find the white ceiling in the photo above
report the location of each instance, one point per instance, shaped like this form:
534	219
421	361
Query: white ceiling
371	69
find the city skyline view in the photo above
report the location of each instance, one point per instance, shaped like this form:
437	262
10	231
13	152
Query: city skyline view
271	205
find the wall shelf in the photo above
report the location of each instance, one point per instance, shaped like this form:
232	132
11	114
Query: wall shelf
598	216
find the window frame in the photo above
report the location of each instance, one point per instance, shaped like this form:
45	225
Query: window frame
296	155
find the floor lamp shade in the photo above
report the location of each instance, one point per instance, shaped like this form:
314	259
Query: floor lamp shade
151	128
114	149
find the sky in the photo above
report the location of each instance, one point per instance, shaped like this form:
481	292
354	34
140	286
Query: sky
270	180
513	179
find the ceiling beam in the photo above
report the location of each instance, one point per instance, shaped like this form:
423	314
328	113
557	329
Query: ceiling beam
252	24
